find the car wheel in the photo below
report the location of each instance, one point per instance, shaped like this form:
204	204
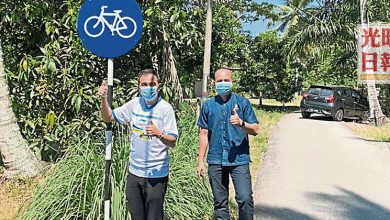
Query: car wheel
306	114
339	115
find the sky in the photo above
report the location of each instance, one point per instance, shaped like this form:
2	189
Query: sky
260	26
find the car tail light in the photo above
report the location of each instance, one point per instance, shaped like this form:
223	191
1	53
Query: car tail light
330	99
305	95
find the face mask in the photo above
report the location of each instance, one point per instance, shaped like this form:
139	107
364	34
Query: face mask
223	88
149	93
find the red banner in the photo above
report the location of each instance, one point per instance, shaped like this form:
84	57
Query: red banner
374	53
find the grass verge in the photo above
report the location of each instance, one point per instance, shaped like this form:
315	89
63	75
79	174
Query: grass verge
258	144
371	132
268	118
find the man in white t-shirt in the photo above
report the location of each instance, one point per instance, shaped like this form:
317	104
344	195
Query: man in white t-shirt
153	131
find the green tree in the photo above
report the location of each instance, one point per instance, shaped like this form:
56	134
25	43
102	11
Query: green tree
267	72
290	14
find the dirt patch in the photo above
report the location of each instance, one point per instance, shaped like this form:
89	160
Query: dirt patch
15	196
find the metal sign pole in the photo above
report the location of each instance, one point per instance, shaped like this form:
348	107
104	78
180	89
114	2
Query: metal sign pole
107	185
207	49
109	44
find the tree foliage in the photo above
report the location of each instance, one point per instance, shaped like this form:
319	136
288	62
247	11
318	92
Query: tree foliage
53	79
267	73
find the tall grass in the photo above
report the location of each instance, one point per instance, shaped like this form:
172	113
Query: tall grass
75	188
188	197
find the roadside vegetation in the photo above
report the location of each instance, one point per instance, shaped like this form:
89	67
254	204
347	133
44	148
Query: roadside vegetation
267	119
76	184
371	132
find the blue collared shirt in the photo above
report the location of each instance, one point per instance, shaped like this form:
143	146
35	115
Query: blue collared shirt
228	144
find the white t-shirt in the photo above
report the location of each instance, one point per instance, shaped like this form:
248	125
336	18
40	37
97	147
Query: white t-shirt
149	156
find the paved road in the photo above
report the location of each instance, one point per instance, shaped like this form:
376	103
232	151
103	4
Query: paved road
318	169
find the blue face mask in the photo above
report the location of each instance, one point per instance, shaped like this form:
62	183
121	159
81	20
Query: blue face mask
149	93
223	88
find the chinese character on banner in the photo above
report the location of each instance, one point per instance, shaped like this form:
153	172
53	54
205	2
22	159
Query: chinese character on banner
374	53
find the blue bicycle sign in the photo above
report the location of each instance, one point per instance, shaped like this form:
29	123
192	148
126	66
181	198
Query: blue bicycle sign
110	28
119	24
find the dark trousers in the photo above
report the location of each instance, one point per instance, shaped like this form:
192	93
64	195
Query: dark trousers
219	180
145	197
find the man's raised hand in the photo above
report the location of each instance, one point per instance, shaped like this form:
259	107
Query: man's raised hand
152	130
235	119
103	89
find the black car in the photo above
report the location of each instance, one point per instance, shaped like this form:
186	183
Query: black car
336	101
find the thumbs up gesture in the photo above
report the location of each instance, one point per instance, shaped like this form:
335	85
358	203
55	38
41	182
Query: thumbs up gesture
152	130
102	91
235	119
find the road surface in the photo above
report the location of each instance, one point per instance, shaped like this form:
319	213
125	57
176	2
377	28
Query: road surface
318	169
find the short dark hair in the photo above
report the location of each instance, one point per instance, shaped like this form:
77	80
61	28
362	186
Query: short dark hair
147	71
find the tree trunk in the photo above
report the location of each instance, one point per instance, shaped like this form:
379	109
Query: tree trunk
260	98
376	113
207	47
18	159
170	66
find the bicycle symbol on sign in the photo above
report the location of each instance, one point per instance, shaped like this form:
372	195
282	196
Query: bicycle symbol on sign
120	24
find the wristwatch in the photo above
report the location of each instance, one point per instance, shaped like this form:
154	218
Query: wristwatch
161	135
242	123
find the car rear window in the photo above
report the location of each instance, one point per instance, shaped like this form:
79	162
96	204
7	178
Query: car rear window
320	91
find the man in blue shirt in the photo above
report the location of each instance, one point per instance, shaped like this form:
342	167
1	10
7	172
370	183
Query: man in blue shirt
225	122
